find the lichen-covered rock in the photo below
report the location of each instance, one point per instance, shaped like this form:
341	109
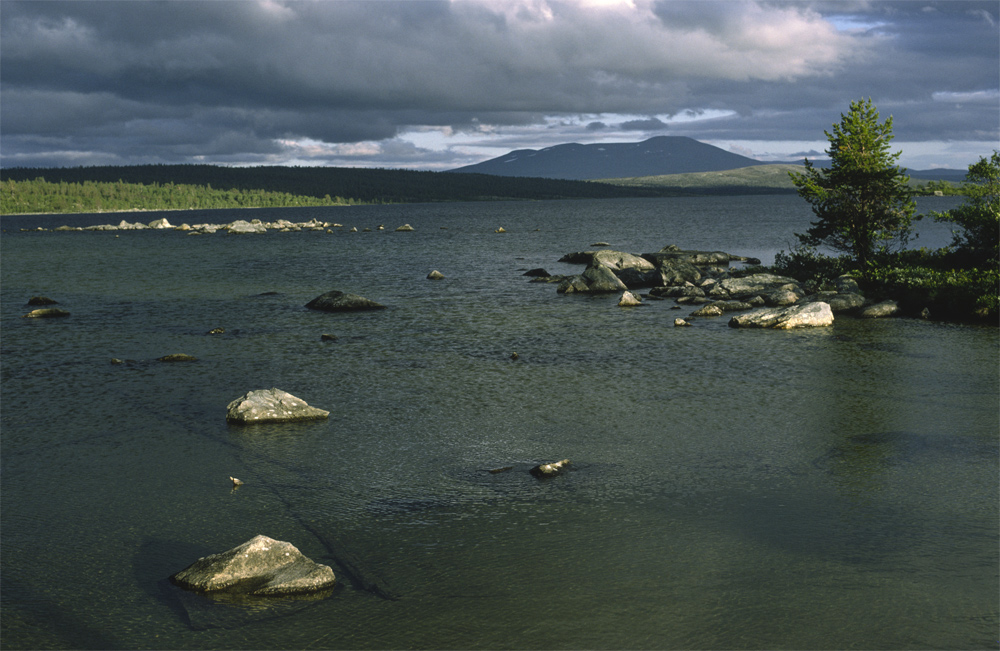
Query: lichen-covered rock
261	566
342	302
271	406
807	315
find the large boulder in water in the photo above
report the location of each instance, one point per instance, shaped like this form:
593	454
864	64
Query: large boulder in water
595	279
807	315
261	566
341	302
271	406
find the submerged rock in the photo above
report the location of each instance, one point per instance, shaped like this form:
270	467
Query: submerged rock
550	469
271	406
807	315
341	302
261	566
177	357
46	313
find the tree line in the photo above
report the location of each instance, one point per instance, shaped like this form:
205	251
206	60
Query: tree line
352	185
42	196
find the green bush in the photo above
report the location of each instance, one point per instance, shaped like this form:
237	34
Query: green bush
811	268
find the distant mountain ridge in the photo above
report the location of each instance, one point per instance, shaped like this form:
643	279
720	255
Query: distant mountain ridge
658	156
654	157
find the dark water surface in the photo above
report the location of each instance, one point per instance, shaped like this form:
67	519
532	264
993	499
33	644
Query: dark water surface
828	488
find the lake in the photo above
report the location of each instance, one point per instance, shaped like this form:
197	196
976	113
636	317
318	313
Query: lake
824	488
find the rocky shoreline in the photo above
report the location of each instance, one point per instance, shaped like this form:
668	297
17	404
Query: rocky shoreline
703	279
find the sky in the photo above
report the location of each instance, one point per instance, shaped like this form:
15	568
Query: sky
438	84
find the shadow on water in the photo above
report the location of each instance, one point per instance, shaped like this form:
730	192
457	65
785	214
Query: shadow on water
66	630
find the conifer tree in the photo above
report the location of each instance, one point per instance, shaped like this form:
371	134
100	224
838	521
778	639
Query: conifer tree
863	202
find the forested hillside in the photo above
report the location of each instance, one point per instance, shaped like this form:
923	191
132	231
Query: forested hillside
174	184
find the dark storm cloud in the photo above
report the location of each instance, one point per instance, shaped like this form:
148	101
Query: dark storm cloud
268	81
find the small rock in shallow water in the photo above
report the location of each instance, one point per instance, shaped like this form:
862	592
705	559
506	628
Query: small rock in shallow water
680	322
41	300
177	357
550	469
217	331
46	313
435	275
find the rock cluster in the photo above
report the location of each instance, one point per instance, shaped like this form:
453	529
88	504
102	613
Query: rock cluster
703	279
237	227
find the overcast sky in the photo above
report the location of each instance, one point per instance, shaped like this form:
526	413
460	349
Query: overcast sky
436	84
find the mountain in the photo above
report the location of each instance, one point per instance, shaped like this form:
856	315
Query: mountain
653	157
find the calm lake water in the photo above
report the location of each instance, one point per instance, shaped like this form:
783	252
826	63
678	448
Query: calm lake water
816	489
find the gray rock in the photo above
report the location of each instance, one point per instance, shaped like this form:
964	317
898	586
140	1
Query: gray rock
805	315
678	273
846	284
750	286
596	279
271	406
629	299
243	227
845	302
160	223
261	566
335	301
880	310
781	296
677	291
680	323
708	310
617	260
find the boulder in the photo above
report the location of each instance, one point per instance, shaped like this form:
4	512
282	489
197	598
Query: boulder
845	302
671	254
435	275
677	291
638	278
708	310
806	315
550	469
261	566
271	406
678	272
617	260
595	279
243	227
750	286
404	228
335	301
629	299
880	310
680	323
846	284
160	223
46	313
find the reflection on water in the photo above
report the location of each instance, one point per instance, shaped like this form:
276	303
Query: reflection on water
731	489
